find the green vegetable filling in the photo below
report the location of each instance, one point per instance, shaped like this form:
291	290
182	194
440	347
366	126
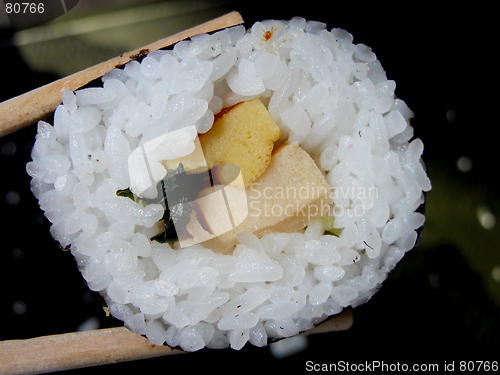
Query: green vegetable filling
328	225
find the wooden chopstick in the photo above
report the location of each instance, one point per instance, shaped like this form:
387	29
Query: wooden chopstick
76	350
25	109
340	322
100	347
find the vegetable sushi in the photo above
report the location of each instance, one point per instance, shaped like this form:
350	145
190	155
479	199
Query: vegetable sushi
241	187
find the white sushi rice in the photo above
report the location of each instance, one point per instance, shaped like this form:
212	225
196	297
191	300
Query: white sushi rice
326	93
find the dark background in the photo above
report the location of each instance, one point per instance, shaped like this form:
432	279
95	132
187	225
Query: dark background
441	303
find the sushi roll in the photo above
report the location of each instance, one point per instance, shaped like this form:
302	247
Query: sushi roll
243	186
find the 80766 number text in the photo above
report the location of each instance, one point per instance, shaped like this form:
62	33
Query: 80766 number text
24	8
